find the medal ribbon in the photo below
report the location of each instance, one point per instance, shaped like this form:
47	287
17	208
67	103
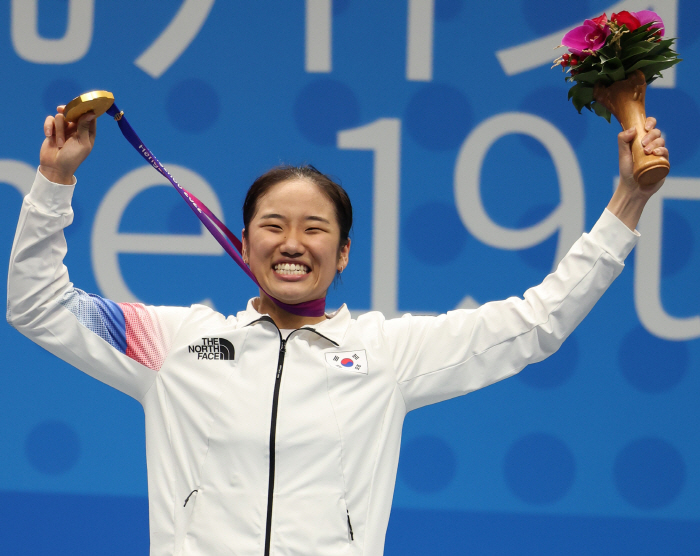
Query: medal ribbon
313	308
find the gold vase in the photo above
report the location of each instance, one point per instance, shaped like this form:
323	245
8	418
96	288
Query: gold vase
625	100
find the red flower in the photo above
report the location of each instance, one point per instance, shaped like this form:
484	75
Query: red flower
627	19
601	20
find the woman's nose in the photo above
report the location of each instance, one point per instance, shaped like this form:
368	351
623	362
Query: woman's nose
292	246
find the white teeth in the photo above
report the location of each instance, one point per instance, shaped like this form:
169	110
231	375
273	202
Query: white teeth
291	269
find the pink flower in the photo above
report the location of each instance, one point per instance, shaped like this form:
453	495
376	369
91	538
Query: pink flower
647	16
589	36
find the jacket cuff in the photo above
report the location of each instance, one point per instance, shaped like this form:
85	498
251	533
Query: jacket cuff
50	197
614	236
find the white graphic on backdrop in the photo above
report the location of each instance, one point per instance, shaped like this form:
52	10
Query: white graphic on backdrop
468	303
383	137
419	40
319	36
107	242
567	218
18	174
647	271
533	54
176	37
74	44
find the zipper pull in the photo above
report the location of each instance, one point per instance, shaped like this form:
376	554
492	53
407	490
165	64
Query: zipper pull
188	497
352	535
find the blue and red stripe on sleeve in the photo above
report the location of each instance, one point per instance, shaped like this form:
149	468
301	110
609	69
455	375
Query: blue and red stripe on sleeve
132	328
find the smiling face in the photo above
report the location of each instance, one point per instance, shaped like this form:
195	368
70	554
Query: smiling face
292	243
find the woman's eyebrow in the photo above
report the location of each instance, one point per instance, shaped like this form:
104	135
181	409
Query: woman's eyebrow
317	219
274	215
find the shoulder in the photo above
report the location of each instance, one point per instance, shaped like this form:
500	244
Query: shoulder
195	315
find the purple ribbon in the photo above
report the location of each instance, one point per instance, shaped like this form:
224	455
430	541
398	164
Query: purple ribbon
313	308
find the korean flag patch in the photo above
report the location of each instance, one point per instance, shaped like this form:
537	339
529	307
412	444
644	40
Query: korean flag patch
355	361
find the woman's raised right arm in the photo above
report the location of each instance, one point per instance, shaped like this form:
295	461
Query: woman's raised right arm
121	344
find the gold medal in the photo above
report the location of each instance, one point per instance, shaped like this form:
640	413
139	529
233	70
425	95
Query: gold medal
95	101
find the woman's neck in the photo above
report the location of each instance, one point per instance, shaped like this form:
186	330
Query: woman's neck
283	319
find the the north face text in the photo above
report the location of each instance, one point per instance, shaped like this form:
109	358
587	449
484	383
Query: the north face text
213	348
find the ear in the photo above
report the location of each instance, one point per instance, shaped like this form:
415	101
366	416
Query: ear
244	242
343	256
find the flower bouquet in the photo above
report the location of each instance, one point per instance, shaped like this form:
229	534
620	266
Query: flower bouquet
610	62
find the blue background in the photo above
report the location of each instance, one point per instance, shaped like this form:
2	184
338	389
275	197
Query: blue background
595	450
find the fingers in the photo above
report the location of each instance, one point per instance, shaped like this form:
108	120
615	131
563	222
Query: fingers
48	126
626	136
653	141
86	124
93	130
60	109
60	128
624	145
657	147
651	136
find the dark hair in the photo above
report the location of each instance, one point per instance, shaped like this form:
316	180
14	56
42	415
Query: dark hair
335	193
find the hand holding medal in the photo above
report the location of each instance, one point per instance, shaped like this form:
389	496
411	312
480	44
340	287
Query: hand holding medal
69	139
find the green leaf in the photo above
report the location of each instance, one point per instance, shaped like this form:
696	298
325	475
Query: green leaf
632	38
572	91
606	53
662	56
640	34
601	111
660	47
588	62
581	96
614	69
657	60
636	50
587	77
655	69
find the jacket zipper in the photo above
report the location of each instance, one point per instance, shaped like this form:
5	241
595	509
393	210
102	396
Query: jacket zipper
273	432
273	425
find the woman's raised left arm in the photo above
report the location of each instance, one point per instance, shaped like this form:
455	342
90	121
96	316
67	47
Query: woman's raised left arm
437	358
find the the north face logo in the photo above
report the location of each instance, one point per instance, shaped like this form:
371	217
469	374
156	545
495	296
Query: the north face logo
213	348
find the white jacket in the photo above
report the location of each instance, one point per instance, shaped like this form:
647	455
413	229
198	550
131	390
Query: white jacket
219	391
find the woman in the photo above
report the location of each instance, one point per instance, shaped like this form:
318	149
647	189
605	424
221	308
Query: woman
273	432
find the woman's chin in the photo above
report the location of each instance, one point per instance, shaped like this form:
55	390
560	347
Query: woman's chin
289	296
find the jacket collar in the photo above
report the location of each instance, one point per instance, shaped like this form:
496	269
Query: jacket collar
333	328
